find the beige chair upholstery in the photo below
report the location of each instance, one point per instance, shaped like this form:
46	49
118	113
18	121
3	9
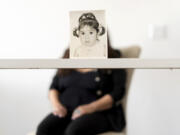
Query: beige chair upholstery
128	52
32	133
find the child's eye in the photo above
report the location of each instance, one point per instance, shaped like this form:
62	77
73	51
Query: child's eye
82	33
91	33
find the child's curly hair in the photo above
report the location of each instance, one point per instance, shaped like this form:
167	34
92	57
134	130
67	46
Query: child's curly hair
90	20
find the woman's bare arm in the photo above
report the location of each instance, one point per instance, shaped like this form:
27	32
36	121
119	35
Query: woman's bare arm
103	103
53	97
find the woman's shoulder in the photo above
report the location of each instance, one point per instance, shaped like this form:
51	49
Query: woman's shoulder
62	73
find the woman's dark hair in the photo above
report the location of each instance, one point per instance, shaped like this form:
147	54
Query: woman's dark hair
112	53
89	19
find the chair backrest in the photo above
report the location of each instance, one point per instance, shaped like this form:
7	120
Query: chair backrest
129	52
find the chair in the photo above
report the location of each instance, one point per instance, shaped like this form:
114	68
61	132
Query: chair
127	52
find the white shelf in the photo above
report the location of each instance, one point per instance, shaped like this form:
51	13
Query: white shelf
89	63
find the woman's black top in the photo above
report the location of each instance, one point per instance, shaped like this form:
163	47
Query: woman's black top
79	88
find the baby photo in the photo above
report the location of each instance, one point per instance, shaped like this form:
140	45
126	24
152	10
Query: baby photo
88	37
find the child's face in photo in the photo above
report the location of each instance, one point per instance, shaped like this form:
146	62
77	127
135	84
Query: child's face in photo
88	35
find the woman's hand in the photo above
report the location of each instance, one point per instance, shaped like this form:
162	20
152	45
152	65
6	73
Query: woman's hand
59	110
83	109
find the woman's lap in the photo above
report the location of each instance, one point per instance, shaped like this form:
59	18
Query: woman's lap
89	124
52	125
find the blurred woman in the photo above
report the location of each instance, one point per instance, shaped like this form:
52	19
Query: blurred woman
84	101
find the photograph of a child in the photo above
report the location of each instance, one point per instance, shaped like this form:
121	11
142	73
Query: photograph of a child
88	34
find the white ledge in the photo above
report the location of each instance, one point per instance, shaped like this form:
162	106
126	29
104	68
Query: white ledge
90	63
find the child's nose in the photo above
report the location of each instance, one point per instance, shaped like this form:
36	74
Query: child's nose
87	37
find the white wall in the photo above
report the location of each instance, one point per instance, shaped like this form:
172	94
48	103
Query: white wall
40	29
